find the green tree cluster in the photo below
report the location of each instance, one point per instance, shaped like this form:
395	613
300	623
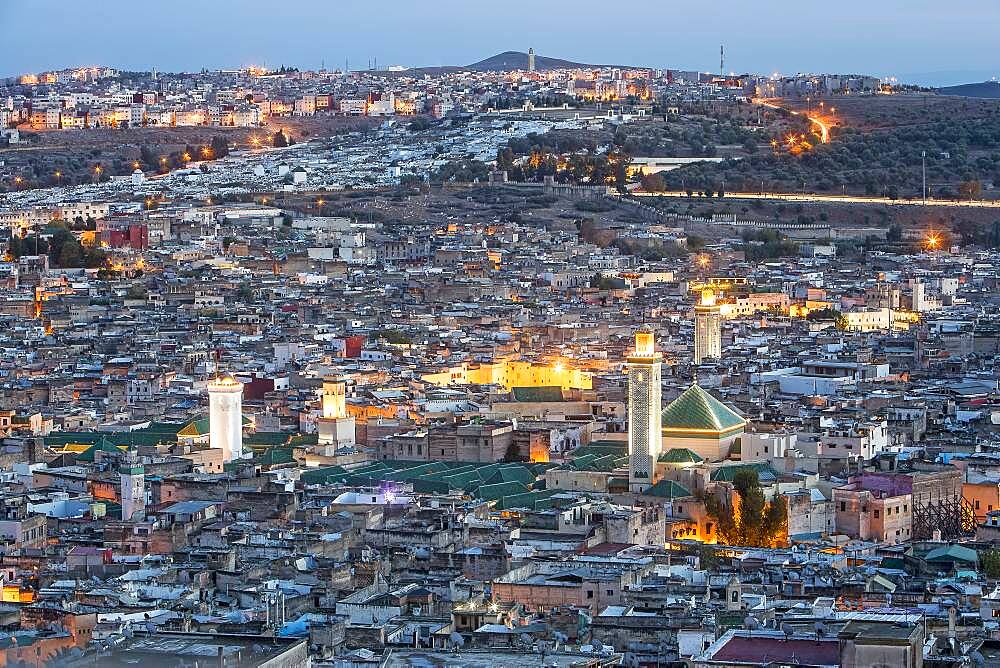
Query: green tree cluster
749	519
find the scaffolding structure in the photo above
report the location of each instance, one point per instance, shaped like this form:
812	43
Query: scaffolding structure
954	518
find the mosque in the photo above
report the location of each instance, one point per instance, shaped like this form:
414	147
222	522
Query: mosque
695	425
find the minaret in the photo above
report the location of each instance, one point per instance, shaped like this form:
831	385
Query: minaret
644	441
334	426
531	59
225	416
133	487
707	328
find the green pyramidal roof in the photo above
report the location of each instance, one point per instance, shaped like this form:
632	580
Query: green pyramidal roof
696	409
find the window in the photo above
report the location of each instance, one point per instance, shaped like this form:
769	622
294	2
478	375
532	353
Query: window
611	592
876	513
977	504
590	594
843	506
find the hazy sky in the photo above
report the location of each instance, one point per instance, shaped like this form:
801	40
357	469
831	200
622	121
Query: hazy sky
881	37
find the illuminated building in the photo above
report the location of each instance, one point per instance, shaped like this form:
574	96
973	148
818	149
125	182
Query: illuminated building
225	416
707	328
643	411
510	374
334	426
133	487
701	423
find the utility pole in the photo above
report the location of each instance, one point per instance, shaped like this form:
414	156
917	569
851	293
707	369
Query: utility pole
923	169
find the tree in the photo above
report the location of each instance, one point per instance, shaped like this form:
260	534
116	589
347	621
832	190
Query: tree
971	189
695	242
652	183
990	561
280	140
220	147
70	255
748	519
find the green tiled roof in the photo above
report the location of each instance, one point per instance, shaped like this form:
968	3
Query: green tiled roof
765	474
274	456
500	490
668	489
696	409
680	456
323	475
952	553
544	393
529	500
102	445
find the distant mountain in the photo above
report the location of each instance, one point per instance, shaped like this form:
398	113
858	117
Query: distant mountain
518	60
987	89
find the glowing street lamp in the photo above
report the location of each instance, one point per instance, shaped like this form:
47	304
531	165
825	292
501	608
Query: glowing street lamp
933	241
703	261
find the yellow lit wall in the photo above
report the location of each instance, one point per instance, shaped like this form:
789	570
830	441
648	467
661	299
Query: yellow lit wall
509	374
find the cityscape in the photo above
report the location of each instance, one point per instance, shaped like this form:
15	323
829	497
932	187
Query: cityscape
528	362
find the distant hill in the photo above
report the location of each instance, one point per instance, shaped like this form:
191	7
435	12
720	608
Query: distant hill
987	89
518	60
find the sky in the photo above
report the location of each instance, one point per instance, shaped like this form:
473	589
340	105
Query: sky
924	41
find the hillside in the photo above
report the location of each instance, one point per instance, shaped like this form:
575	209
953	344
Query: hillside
518	60
987	90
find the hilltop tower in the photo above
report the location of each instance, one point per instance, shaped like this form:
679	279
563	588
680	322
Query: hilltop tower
334	426
133	487
644	373
707	328
531	59
225	416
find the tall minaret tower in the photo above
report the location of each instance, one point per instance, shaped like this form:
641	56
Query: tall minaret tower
133	492
225	417
644	439
707	328
531	59
334	426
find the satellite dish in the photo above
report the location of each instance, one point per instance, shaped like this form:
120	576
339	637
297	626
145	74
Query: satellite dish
751	623
787	630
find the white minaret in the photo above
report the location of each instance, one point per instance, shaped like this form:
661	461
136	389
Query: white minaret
225	416
644	440
334	426
133	492
707	328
